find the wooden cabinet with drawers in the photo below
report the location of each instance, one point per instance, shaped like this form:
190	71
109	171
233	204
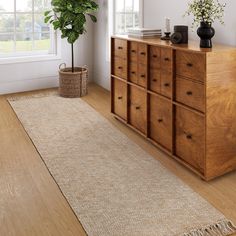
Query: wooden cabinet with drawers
180	97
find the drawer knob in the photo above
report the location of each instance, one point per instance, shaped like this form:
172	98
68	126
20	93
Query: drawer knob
167	85
142	76
189	136
137	108
154	80
133	51
160	120
189	64
154	56
120	97
120	48
189	93
143	53
120	67
166	59
133	72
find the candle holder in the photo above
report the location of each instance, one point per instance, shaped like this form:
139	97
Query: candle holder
167	36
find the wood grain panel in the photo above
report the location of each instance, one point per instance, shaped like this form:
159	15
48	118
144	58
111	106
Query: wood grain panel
142	53
138	108
221	114
191	65
133	72
190	93
167	59
166	83
190	138
120	67
120	48
120	98
155	57
161	121
133	52
155	80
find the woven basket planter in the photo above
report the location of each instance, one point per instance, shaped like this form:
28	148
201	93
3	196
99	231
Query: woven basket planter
73	85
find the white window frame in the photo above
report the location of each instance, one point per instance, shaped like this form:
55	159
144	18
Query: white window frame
141	14
54	53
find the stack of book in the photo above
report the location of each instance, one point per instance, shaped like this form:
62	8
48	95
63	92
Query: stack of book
144	33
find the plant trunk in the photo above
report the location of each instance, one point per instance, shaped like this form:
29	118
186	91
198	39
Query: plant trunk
72	56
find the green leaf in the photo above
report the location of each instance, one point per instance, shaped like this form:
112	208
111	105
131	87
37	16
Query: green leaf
93	18
46	19
46	13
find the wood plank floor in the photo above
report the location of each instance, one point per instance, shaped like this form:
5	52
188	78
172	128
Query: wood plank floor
31	203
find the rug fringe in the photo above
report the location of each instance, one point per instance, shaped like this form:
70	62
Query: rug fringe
222	228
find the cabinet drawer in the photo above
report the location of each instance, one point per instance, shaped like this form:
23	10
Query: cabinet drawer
142	75
133	72
155	80
190	138
120	67
161	121
137	108
142	53
190	93
166	84
120	98
155	57
133	52
166	59
191	65
120	48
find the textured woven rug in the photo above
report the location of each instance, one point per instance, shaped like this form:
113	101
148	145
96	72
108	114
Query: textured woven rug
114	187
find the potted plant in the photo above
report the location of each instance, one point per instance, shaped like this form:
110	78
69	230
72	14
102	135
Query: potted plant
70	16
205	12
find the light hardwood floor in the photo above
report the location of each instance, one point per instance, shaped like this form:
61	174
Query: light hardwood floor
31	203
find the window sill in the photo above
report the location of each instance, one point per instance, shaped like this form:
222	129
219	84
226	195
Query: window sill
28	59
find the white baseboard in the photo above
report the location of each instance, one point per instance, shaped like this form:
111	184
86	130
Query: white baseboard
28	85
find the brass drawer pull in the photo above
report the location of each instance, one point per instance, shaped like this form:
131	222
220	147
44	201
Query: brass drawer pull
160	120
167	85
137	108
119	98
166	59
120	67
189	136
143	53
120	48
143	76
189	64
189	93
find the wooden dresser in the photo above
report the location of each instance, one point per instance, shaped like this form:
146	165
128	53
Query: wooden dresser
181	98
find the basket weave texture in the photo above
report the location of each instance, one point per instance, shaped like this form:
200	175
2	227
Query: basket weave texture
73	85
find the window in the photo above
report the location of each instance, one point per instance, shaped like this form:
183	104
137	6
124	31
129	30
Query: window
128	14
22	28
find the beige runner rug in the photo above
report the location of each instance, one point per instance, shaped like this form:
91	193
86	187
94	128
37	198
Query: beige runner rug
114	187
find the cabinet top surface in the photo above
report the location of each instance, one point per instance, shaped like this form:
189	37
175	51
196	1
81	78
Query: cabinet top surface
192	45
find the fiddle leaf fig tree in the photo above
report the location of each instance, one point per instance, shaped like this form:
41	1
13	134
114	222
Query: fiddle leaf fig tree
70	16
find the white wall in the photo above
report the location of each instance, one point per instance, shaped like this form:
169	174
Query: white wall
101	41
155	12
36	75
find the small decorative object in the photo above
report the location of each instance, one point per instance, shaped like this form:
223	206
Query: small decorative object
180	35
70	18
205	12
167	31
144	32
